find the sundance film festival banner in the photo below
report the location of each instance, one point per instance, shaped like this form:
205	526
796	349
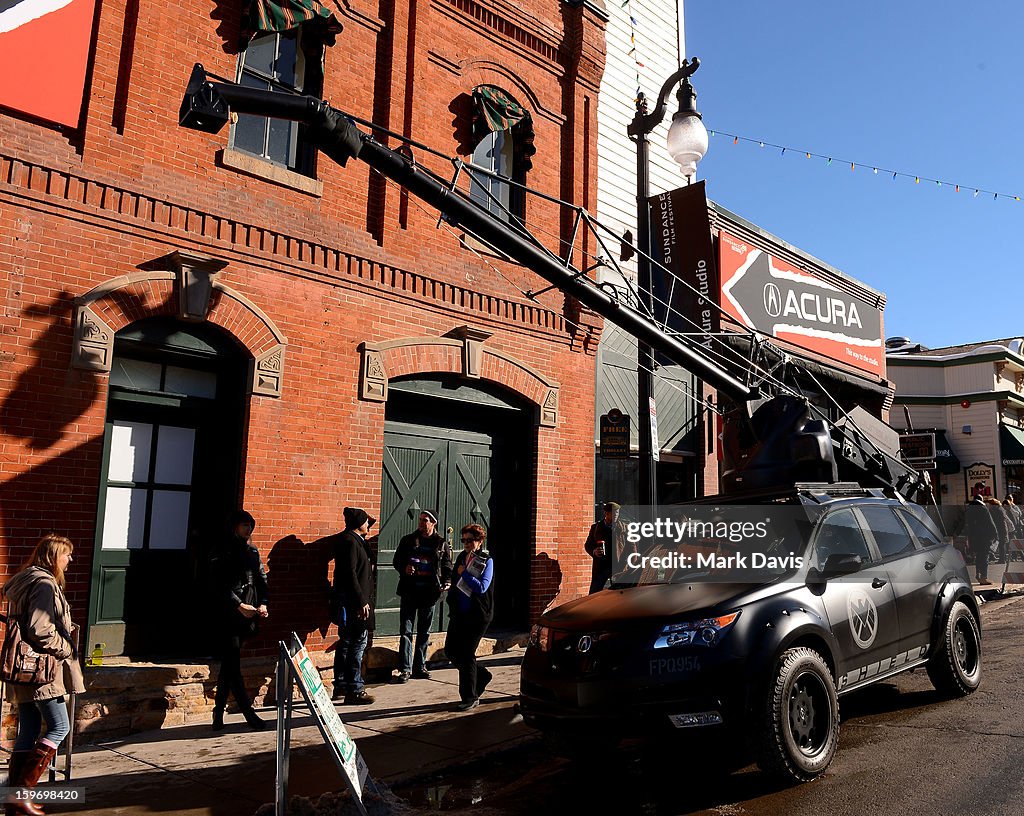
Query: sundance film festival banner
681	242
44	54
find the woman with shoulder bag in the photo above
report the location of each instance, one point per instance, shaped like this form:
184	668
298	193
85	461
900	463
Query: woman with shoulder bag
471	607
240	585
36	602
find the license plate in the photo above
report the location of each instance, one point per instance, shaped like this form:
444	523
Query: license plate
696	719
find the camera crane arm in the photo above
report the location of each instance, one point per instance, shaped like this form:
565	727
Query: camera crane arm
207	106
791	445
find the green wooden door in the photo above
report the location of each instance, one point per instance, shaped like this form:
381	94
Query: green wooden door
169	477
443	470
413	478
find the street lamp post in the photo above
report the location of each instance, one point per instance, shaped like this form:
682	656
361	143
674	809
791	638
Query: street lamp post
687	144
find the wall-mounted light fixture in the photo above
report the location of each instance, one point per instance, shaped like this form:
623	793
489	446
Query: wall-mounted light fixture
967	429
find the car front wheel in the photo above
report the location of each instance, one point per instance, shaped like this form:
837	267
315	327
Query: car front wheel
799	731
955	666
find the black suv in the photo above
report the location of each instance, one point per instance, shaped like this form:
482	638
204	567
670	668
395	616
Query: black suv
876	592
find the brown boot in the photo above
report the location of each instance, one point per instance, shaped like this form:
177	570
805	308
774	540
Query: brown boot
36	764
16	779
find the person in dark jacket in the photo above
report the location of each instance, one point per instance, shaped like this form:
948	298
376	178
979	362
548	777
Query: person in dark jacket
606	544
424	567
241	595
36	599
981	534
353	610
471	608
1004	526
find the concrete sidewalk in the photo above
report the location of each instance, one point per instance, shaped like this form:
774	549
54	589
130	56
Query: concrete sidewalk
411	730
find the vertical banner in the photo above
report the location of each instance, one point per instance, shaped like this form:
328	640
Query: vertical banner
686	296
44	54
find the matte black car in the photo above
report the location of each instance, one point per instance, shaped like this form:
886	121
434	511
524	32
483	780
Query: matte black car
879	592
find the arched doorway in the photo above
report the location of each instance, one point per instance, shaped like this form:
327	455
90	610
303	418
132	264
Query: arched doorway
172	459
465	451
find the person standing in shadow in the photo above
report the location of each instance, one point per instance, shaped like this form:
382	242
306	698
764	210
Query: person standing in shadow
240	596
471	606
425	567
352	605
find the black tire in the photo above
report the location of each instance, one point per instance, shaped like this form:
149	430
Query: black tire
799	728
955	664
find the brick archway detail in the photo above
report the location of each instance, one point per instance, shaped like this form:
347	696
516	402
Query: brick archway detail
463	354
119	302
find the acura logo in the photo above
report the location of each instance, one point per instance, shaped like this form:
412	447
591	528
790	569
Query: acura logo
585	643
772	300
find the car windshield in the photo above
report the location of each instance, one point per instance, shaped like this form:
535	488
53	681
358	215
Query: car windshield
731	544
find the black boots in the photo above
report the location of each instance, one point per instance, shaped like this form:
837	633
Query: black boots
251	717
254	722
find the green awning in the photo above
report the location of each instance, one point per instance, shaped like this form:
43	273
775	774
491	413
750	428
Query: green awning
1011	445
945	460
497	111
284	15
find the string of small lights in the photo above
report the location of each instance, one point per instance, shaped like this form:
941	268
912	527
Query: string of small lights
634	24
855	165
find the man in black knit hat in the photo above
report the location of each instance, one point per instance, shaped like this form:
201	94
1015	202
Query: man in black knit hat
352	608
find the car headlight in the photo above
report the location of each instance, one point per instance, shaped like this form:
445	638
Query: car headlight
705	632
540	636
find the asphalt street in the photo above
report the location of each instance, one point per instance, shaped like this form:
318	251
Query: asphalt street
903	749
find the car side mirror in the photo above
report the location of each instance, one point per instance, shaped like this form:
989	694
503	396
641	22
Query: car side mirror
839	564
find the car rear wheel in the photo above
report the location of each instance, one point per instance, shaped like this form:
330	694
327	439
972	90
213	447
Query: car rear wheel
799	731
955	666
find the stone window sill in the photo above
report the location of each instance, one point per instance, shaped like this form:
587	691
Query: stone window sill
253	166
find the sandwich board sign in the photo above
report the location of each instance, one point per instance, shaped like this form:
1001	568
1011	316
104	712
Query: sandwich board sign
296	666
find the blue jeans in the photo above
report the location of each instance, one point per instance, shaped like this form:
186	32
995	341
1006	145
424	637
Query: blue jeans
408	614
348	659
31	717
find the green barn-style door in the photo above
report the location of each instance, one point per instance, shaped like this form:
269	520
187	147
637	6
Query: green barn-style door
473	474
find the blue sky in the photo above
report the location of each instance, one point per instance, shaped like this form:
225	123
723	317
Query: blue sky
928	88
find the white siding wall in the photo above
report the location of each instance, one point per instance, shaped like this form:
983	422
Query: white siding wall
659	43
982	444
970	379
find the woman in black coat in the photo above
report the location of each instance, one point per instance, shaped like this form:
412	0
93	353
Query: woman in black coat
471	607
240	595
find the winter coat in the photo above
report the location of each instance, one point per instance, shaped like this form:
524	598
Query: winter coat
981	529
615	544
39	603
1003	523
478	609
433	565
353	580
238	577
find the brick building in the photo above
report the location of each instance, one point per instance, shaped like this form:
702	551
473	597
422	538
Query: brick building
195	322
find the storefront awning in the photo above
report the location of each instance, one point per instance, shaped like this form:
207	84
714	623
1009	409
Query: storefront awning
945	460
1011	446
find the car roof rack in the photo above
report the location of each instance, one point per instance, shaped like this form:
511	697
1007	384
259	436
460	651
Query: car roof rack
827	491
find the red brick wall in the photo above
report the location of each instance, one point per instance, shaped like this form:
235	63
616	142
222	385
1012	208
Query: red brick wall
362	263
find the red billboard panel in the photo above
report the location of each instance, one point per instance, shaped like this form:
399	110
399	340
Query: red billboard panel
766	293
44	53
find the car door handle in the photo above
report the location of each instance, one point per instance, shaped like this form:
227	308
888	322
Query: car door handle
878	583
929	565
